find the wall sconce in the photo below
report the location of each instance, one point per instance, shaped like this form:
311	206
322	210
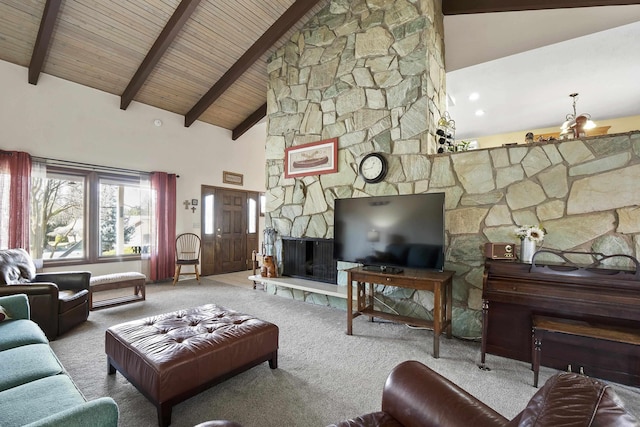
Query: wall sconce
575	126
191	204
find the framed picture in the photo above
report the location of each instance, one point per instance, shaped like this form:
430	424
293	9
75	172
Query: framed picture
315	158
232	178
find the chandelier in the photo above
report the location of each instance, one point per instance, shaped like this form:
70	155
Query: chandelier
576	125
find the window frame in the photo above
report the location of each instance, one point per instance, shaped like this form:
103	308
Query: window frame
120	179
91	215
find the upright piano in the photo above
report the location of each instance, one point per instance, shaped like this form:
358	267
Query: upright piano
514	291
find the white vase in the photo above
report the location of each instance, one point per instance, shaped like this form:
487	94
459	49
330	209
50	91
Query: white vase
527	249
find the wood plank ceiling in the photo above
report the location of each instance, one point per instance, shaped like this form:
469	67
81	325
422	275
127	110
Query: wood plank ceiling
204	59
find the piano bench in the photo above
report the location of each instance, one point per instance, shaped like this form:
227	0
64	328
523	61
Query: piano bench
543	325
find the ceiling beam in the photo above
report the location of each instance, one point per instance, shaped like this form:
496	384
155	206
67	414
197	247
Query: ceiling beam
162	43
249	122
461	7
48	21
277	30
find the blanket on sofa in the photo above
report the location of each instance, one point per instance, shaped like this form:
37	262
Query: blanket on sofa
16	266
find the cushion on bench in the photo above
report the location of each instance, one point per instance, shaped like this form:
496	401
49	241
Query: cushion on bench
116	277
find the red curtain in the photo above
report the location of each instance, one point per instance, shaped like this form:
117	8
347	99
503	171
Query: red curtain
18	165
162	261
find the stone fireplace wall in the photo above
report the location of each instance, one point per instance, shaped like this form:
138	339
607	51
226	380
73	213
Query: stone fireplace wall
586	193
371	74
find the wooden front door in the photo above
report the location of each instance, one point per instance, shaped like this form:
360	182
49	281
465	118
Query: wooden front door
229	228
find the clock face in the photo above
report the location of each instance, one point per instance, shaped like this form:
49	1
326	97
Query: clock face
373	167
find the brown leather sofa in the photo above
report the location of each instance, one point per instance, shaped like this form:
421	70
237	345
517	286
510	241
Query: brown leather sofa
59	301
416	396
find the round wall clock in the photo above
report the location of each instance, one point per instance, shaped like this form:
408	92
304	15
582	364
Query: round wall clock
373	167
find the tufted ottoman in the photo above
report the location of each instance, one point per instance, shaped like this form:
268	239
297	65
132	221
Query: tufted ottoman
172	357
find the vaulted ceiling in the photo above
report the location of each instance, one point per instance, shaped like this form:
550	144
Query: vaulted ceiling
204	59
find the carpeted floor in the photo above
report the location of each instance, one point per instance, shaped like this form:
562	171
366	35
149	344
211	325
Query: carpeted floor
324	375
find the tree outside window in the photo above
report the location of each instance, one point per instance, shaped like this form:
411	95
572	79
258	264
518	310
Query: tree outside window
57	216
121	211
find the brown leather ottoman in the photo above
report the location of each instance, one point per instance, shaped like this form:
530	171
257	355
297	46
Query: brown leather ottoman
172	357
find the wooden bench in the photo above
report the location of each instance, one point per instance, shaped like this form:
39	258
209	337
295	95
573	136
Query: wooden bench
108	282
576	331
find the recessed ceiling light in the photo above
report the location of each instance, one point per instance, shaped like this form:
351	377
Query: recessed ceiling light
474	96
157	122
479	113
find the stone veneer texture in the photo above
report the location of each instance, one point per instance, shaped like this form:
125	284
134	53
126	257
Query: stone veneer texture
586	193
371	74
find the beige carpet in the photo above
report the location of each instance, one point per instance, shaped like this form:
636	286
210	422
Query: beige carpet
324	375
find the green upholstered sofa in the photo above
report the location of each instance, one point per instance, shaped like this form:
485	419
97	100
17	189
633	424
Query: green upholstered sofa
35	389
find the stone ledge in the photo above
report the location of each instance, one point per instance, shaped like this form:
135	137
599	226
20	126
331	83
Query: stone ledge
304	285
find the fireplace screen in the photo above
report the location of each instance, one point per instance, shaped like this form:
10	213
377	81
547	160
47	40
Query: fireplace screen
309	258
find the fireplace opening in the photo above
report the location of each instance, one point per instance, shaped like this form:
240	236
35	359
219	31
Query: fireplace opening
309	258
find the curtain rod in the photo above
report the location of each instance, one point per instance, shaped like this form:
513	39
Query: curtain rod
88	165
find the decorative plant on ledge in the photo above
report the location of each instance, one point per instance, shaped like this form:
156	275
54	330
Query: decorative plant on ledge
530	236
534	233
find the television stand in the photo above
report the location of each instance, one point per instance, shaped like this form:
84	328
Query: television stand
383	269
440	283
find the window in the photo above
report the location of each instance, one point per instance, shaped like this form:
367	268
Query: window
252	220
122	215
57	216
208	214
86	216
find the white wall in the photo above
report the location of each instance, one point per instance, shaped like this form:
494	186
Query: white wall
63	120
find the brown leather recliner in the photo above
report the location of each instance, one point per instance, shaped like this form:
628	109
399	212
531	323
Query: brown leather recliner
58	301
416	396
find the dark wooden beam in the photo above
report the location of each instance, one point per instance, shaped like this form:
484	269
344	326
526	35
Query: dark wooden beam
460	7
162	43
277	30
249	122
48	21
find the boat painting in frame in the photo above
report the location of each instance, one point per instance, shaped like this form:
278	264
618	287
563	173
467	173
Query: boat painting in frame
315	158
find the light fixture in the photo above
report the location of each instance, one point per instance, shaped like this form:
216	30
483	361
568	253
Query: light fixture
474	96
576	124
157	122
479	113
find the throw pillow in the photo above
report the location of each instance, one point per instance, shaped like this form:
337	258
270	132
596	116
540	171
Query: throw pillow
3	314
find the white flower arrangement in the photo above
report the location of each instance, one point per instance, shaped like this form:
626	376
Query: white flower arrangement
535	233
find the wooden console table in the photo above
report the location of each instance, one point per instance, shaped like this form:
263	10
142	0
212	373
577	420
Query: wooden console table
438	283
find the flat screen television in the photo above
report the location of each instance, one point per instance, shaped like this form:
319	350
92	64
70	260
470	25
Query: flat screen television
390	233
